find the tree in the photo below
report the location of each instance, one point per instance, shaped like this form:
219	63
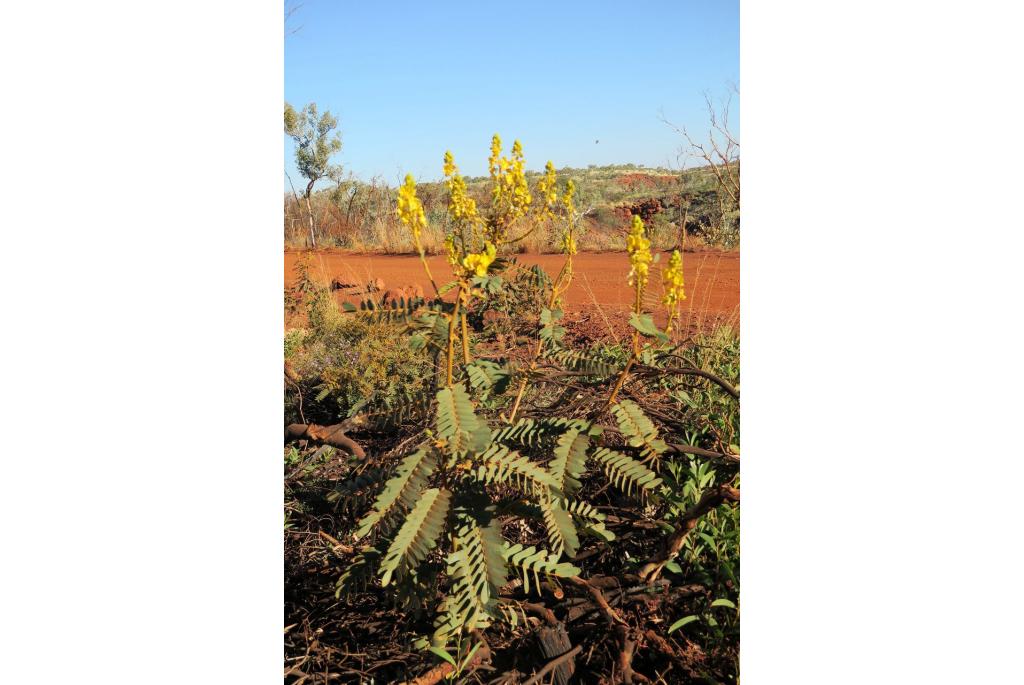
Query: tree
315	142
721	155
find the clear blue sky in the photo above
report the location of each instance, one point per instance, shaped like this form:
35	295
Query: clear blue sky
409	80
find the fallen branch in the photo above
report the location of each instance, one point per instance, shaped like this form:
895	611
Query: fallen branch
717	380
553	664
540	610
332	435
701	452
338	546
599	597
625	663
708	501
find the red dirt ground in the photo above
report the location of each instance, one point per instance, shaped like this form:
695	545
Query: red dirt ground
599	285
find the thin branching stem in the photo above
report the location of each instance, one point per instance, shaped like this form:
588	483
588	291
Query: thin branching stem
556	290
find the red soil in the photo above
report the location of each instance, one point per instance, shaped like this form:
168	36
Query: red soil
712	279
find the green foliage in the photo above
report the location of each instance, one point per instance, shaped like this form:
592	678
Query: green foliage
550	332
498	464
445	502
711	416
457	424
351	362
529	560
625	472
402	491
574	360
352	496
359	572
711	551
294	341
524	292
645	324
570	459
639	430
418	535
536	432
478	569
486	376
561	529
315	142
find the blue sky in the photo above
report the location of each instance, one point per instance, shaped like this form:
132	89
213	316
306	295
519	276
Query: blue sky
409	80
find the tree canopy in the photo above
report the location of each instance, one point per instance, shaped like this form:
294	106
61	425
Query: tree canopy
316	140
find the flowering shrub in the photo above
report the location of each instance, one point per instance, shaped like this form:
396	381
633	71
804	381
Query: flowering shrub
507	456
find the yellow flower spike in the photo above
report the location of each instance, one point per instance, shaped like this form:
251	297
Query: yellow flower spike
639	248
410	209
520	191
550	194
570	190
517	149
478	263
672	279
461	206
568	243
495	153
450	251
547	192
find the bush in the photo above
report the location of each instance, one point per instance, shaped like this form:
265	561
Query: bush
347	360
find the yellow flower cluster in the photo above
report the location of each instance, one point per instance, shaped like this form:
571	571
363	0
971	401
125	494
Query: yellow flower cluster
568	243
479	262
570	190
515	183
672	279
547	191
509	193
492	163
462	207
639	248
410	209
450	251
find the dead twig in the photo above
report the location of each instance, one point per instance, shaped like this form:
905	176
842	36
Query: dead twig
600	599
701	452
333	435
708	501
553	664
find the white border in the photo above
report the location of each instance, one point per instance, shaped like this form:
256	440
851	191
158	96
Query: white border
142	290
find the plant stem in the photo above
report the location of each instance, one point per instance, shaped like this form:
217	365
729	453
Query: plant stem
465	328
618	383
423	259
636	352
671	317
566	268
451	340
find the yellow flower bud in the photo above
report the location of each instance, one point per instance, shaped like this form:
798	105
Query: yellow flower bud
410	209
639	248
672	279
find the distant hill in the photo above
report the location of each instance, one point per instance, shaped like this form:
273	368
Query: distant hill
359	215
